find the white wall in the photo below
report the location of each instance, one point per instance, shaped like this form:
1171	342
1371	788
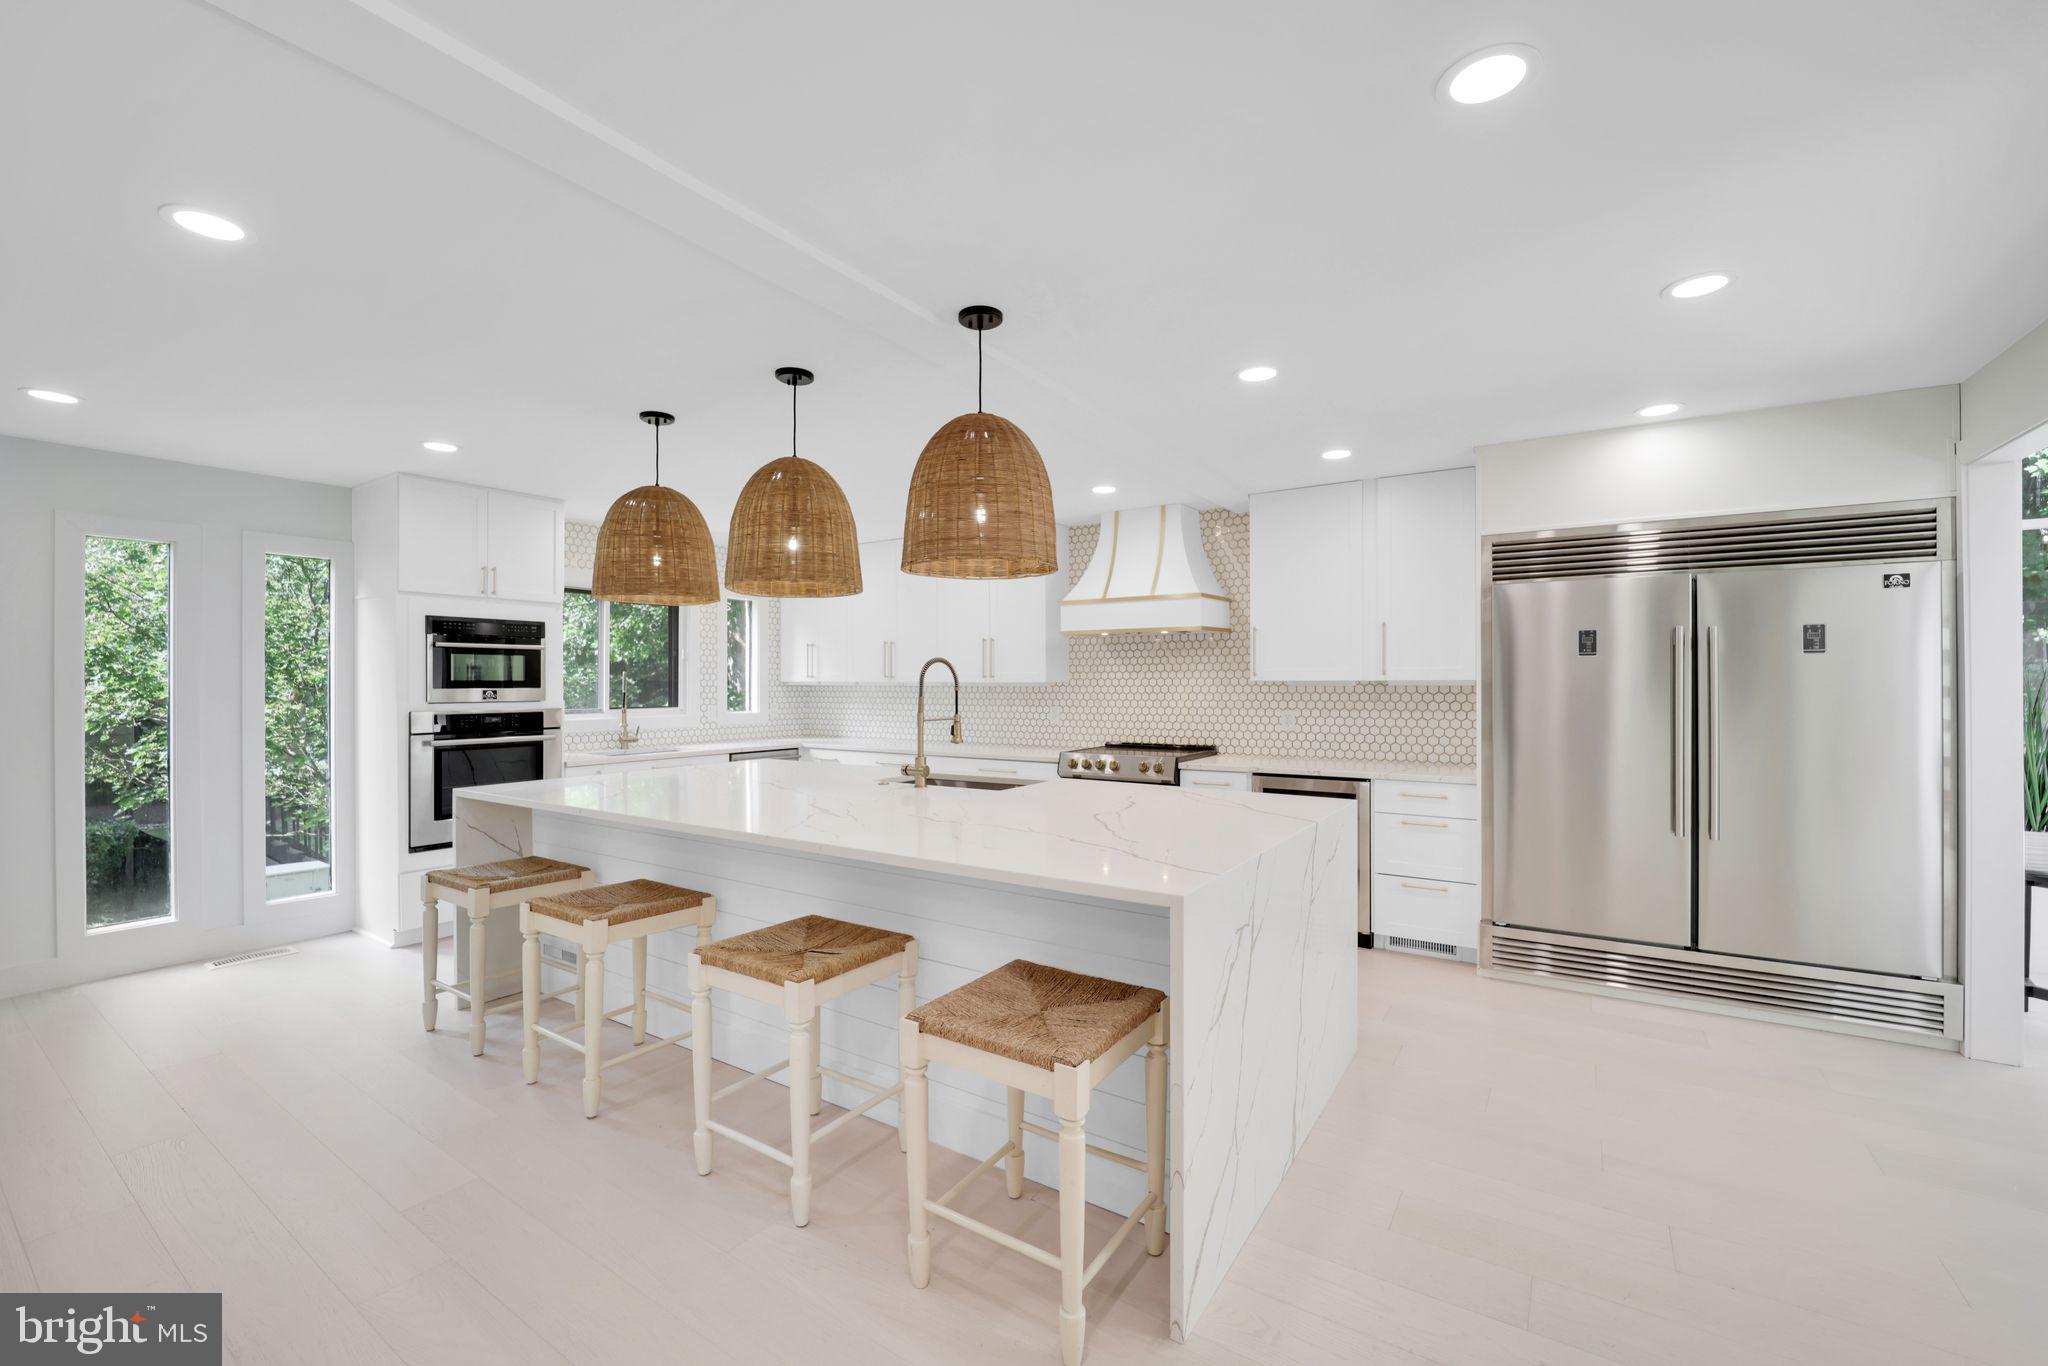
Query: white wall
2007	398
1876	449
39	482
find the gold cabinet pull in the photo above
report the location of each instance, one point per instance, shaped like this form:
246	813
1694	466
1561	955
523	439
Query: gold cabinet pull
1428	825
1425	887
1428	796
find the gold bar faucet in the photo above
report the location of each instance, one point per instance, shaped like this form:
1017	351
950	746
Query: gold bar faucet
917	768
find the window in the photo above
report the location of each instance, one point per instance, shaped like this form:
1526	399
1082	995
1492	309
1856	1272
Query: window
298	726
739	655
2034	641
127	637
619	654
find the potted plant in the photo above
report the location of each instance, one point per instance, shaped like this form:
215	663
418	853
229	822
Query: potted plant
2034	769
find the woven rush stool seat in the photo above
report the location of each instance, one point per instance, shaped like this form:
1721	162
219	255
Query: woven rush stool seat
798	965
1040	1016
593	919
1048	1032
481	888
810	948
618	903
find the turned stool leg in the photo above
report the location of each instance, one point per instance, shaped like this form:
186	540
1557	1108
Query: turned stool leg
640	991
529	996
906	1001
1070	1102
1155	1135
593	1028
700	1062
799	1004
817	1086
1013	1166
479	924
915	1123
430	951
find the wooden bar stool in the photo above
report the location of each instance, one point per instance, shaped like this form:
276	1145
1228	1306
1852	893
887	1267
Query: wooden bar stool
798	965
593	919
1055	1034
482	888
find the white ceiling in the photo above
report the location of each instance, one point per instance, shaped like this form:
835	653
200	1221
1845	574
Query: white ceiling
514	223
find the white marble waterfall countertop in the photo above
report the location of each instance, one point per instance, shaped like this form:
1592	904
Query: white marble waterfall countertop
1122	841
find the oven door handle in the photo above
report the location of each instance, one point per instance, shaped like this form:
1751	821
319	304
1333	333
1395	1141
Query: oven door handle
446	642
485	740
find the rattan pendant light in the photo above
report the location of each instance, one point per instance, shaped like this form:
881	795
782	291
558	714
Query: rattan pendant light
792	533
980	504
654	545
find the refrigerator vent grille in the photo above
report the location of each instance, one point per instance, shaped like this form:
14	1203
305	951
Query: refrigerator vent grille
1896	534
1904	1006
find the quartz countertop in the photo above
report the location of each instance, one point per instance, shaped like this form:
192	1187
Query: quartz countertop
1367	770
1119	841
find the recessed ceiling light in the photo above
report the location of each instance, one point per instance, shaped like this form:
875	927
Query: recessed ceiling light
1485	75
1257	374
1696	286
204	223
1337	455
440	447
1103	488
1659	410
51	395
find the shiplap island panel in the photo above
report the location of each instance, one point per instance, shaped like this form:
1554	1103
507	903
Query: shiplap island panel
1241	906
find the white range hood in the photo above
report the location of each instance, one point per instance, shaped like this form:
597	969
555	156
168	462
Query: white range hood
1149	573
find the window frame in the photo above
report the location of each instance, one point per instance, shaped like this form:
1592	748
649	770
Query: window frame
257	547
678	659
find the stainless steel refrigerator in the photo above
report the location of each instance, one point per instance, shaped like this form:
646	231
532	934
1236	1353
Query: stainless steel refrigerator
1727	736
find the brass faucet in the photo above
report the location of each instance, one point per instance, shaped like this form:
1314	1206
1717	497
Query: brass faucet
917	768
627	738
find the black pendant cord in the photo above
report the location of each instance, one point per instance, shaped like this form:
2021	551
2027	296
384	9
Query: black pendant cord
977	371
657	456
792	422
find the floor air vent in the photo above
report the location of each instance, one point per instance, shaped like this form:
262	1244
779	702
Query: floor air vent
1887	1003
1813	538
234	960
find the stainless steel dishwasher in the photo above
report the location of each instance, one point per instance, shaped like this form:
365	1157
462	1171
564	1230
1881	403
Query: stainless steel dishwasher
1359	794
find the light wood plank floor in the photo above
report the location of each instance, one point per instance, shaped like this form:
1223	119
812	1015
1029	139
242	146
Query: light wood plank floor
1509	1176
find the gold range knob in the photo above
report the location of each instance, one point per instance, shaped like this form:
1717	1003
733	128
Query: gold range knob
1101	764
1144	767
1073	763
1115	767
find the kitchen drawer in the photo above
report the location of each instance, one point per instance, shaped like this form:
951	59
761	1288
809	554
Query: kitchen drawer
1197	778
1423	908
1458	801
1425	846
992	768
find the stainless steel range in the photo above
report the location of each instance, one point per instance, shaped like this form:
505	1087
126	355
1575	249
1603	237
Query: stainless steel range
1142	763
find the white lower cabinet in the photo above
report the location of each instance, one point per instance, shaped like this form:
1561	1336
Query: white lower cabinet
1229	782
996	769
1425	867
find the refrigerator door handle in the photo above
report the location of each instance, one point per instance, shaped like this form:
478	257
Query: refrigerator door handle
1713	738
1678	812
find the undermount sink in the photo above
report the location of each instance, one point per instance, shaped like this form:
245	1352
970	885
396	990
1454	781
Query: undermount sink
637	751
954	780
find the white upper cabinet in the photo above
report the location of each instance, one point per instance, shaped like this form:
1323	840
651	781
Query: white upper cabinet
1429	577
443	534
1312	559
991	631
458	540
525	544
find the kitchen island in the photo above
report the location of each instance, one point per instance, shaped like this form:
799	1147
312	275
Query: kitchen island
1240	906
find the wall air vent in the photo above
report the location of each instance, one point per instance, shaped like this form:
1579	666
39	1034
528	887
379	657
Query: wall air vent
1886	533
1396	941
1893	1004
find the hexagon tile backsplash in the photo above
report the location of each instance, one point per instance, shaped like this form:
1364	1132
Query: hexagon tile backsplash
1189	688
